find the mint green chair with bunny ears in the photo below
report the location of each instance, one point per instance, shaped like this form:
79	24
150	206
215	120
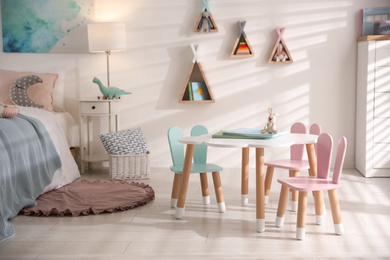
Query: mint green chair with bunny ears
199	165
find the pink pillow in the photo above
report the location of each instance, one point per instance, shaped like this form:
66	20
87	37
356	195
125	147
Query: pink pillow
40	93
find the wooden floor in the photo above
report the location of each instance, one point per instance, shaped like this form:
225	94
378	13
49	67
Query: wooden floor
152	232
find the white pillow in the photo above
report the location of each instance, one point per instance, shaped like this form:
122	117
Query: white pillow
124	142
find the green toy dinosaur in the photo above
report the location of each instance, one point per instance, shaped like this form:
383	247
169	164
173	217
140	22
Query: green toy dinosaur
109	92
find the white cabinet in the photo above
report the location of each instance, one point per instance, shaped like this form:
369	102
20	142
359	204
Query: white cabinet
102	109
372	155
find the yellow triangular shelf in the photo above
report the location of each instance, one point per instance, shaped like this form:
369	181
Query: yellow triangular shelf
213	28
242	47
196	74
280	46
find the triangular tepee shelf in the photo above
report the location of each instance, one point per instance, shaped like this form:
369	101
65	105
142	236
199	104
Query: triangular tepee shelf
196	89
280	53
241	47
205	22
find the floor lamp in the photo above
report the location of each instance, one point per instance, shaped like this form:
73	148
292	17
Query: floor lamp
106	37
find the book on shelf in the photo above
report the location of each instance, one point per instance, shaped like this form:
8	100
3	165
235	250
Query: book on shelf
199	91
246	133
191	96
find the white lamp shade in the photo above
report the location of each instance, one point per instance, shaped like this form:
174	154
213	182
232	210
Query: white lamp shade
106	37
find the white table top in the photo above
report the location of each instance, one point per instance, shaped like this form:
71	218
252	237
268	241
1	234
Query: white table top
285	140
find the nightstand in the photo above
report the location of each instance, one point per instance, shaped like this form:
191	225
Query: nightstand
89	108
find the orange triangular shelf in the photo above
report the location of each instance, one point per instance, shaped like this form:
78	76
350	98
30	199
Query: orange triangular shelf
242	47
196	74
280	47
213	25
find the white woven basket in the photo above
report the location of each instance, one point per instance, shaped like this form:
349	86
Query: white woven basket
131	166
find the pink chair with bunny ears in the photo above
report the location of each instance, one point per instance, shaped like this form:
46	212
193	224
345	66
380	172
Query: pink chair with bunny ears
320	183
294	164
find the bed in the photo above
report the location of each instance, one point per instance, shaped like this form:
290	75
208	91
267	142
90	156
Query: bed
35	153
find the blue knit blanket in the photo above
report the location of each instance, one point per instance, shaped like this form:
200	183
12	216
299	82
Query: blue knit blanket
28	160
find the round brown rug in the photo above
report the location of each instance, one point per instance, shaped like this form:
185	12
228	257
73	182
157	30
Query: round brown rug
85	197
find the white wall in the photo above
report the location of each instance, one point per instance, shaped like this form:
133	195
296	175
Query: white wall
318	87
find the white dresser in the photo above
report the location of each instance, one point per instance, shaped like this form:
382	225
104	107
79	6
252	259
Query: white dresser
372	156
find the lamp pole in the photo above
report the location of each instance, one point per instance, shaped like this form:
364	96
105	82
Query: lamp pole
108	67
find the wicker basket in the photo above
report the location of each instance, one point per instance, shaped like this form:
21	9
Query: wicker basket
132	166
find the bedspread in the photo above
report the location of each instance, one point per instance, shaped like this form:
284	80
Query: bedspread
28	161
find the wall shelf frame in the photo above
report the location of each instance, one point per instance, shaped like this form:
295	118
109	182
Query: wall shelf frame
205	22
196	75
280	53
242	47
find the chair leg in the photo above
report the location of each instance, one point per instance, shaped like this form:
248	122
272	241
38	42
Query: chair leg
311	174
175	190
283	200
294	204
205	188
336	213
319	207
218	192
301	217
268	182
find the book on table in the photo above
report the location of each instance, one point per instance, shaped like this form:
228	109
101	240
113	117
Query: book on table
246	133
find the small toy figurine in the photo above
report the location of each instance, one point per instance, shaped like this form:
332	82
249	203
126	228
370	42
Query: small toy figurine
280	54
8	111
205	23
270	127
109	92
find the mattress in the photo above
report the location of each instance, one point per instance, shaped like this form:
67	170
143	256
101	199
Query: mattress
69	128
69	170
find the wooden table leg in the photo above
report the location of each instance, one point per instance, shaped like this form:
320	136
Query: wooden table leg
311	155
245	176
318	196
260	208
184	181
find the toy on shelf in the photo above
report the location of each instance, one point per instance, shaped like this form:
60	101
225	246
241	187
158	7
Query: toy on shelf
109	92
270	127
241	47
205	22
196	89
280	53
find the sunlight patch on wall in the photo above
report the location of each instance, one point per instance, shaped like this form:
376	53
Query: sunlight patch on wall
294	105
310	18
307	42
293	69
308	6
315	29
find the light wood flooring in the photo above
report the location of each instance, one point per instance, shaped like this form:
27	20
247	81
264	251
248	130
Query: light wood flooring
152	232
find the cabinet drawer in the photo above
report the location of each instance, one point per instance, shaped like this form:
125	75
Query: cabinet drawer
381	156
382	130
95	108
382	105
382	53
382	79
